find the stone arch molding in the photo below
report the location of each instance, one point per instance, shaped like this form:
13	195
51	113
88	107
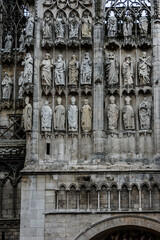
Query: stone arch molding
120	221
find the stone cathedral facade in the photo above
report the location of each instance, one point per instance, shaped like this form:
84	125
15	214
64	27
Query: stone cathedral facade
80	119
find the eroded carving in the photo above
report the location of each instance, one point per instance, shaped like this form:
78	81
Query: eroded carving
60	68
86	26
86	70
47	30
127	71
60	28
8	43
21	85
28	69
27	115
59	116
144	68
128	26
143	25
73	115
29	31
112	114
46	118
128	115
145	114
73	70
86	121
112	26
6	87
46	70
112	69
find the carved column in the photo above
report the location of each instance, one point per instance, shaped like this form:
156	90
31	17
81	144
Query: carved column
130	198
109	199
98	124
140	200
88	208
119	199
78	200
98	200
156	75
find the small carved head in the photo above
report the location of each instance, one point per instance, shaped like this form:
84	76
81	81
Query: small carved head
60	56
26	100
59	100
46	103
86	55
47	56
128	99
112	99
73	100
85	101
128	59
144	54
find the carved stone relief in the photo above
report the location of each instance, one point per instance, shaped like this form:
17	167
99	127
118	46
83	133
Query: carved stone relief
8	43
86	121
60	27
128	115
46	118
73	71
86	25
60	68
86	70
143	25
73	115
29	30
28	68
46	70
73	26
128	25
127	71
21	86
145	114
112	114
47	29
27	115
59	116
144	69
111	69
112	26
6	87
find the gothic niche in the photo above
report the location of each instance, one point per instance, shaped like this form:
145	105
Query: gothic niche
145	114
46	74
112	69
60	28
73	71
29	31
47	29
28	73
7	87
73	115
59	115
46	117
144	69
86	27
128	115
73	28
86	70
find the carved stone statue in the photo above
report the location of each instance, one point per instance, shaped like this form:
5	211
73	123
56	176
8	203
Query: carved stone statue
86	70
73	115
112	69
86	121
47	31
128	115
112	114
59	116
46	71
29	29
27	115
112	26
60	27
145	114
6	87
127	71
60	68
21	85
73	26
144	68
8	43
86	26
73	70
46	118
143	25
22	41
28	68
127	26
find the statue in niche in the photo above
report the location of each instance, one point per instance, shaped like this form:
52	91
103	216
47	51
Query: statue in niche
46	118
86	70
112	69
22	41
127	26
144	69
60	27
46	70
47	32
145	114
73	26
21	85
112	114
86	121
73	115
60	68
127	71
59	116
29	29
27	115
6	87
128	115
143	25
73	70
28	68
86	26
8	43
112	26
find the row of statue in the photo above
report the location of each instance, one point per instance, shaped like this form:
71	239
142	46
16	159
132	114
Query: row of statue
129	115
61	26
59	116
112	70
128	24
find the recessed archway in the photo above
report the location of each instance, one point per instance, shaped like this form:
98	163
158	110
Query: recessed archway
120	224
